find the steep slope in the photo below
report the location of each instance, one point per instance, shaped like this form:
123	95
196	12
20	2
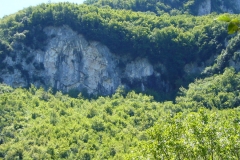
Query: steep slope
70	63
171	48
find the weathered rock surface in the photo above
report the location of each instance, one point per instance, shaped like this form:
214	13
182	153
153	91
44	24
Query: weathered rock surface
206	6
69	61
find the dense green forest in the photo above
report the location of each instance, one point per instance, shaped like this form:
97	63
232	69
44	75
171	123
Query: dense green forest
201	122
204	123
160	7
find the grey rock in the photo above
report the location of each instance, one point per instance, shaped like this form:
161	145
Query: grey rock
69	61
205	7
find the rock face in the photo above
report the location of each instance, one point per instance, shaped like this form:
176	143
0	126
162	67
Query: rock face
208	6
139	69
204	7
73	63
69	62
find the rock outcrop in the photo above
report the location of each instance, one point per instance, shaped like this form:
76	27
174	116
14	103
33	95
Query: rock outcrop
204	8
208	6
69	61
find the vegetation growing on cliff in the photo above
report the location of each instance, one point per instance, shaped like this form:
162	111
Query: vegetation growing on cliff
169	40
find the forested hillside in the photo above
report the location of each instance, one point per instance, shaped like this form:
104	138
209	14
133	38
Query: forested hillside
169	42
200	121
172	7
204	123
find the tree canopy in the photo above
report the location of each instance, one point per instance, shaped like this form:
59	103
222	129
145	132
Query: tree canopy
202	122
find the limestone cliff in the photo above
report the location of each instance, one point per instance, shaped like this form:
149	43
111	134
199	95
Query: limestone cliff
221	6
69	61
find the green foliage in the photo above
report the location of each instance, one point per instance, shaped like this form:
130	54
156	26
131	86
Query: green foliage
224	18
36	124
196	135
233	23
5	49
222	61
218	91
188	130
162	6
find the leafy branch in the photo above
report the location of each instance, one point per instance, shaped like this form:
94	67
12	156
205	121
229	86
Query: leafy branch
233	23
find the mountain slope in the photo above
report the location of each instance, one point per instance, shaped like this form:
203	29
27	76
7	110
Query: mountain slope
85	49
169	43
